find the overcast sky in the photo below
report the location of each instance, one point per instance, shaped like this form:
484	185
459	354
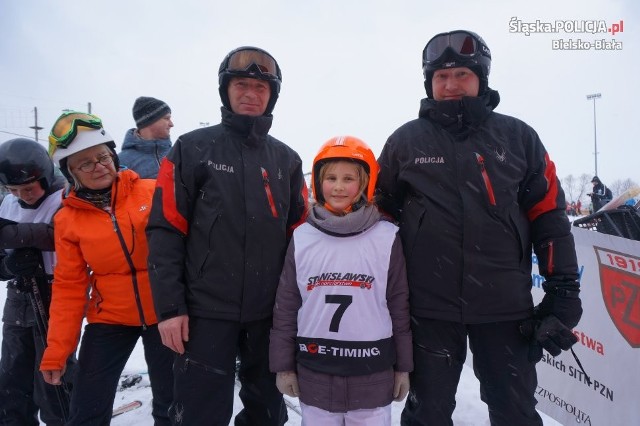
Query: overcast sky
349	67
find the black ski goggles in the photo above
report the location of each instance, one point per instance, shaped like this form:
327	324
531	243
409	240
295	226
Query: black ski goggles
253	62
462	43
66	126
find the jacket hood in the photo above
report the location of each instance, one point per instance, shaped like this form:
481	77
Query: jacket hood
459	116
254	129
133	141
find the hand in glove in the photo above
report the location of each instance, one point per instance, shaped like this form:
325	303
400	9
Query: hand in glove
559	311
287	383
562	299
400	386
22	262
554	336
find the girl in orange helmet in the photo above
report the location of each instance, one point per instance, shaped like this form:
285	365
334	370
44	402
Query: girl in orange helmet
341	340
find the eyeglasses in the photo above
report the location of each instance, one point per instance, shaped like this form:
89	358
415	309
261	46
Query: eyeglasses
462	43
253	62
66	126
90	166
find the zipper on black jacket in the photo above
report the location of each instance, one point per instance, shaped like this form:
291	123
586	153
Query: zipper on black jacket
267	190
134	272
486	179
550	265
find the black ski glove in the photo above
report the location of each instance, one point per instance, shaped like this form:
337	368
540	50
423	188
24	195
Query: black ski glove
554	336
562	299
22	262
548	333
558	312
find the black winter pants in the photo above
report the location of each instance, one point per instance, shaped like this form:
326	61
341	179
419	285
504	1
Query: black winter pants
23	391
507	378
205	376
103	355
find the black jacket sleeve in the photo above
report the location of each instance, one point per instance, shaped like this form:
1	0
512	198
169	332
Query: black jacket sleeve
544	202
17	235
390	193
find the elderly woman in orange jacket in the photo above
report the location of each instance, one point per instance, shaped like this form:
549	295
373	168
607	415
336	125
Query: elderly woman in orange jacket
101	245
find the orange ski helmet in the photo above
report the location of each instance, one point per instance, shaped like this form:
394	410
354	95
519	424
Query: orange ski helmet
347	148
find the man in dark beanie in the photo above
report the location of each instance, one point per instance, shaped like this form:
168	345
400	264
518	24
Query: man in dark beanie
146	145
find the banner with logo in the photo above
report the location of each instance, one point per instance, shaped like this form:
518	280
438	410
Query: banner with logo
608	339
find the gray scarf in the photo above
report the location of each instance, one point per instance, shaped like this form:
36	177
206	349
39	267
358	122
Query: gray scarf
352	223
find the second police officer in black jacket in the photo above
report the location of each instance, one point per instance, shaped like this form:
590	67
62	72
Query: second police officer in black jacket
474	191
227	198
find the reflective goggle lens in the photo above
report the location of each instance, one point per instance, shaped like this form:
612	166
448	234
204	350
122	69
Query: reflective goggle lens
251	61
66	128
462	43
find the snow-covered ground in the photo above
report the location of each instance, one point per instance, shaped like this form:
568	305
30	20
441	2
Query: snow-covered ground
470	411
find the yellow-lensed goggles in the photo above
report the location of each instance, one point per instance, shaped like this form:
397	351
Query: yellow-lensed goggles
66	126
253	61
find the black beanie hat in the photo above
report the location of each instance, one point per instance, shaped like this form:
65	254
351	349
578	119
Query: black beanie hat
147	110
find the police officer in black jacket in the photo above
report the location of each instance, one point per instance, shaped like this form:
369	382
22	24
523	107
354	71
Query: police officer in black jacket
474	191
226	200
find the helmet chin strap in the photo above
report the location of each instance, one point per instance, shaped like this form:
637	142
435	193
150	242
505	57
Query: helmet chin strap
352	208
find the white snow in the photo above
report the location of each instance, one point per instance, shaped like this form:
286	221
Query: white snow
470	411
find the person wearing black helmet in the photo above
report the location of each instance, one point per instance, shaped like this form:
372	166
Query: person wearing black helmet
475	192
226	199
27	255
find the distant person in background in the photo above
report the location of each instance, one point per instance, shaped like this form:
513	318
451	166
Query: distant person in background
146	145
27	261
600	195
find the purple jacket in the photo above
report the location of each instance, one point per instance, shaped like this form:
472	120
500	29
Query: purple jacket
340	393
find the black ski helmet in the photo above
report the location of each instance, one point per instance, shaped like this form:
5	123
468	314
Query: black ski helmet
252	62
24	161
459	48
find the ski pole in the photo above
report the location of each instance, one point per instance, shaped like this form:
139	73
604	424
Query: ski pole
42	322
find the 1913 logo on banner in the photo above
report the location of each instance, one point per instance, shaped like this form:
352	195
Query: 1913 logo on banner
620	282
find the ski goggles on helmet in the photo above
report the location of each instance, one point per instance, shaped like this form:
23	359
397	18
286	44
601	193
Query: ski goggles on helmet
462	44
253	62
66	126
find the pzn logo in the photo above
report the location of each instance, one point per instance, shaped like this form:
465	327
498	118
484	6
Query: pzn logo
620	282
